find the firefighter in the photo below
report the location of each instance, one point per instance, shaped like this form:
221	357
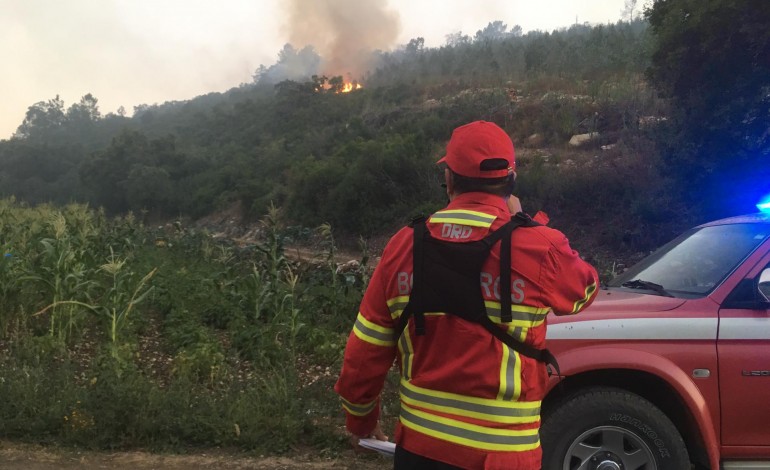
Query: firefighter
459	301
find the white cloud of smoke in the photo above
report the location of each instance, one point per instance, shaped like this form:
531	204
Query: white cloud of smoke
343	32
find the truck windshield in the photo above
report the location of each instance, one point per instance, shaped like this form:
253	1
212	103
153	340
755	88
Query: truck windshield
693	264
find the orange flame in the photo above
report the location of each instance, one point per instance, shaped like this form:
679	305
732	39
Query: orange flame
348	87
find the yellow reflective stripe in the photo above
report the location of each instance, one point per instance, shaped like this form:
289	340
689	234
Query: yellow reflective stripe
407	354
488	409
463	217
510	375
510	366
471	435
373	333
517	377
358	409
580	303
504	369
521	334
523	315
396	305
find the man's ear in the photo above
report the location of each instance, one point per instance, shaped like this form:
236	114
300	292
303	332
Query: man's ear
449	181
511	185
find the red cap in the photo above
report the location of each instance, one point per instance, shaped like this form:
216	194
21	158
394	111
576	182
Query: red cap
480	149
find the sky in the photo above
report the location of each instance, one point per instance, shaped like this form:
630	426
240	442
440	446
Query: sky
132	52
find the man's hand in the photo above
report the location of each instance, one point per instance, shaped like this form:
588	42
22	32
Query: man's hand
514	205
376	434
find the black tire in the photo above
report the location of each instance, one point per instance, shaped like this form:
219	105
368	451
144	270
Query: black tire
610	429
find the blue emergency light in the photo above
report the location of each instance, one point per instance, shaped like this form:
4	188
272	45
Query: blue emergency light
764	204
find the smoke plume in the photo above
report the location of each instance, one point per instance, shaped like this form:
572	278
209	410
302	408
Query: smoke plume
344	32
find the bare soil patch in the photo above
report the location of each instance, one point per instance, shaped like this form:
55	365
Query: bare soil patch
18	456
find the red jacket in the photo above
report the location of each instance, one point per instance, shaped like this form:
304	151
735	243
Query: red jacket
467	399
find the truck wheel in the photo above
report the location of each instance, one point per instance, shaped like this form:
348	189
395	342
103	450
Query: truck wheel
610	429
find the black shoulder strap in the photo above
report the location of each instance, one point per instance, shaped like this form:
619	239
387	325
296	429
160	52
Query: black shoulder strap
506	315
418	267
418	227
505	273
542	355
519	220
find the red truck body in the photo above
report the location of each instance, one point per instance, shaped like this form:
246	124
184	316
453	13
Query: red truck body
702	360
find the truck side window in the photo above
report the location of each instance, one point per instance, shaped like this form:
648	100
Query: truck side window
746	290
764	283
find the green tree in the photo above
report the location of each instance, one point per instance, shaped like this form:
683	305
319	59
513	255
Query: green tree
147	187
712	59
87	110
457	39
415	45
42	119
136	172
336	84
319	83
494	31
105	171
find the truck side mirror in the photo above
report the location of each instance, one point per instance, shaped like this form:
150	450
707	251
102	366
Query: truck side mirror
764	284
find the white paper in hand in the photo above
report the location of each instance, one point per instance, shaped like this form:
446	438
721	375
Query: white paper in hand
383	447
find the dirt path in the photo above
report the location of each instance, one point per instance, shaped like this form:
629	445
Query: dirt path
15	456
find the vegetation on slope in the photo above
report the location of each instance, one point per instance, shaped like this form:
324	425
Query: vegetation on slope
114	335
362	161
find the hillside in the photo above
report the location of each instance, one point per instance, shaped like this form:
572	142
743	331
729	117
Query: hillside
363	161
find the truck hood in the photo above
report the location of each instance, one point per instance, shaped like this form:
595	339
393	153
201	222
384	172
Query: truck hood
619	315
620	303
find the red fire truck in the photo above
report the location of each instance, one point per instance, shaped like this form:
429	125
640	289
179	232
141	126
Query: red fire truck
669	369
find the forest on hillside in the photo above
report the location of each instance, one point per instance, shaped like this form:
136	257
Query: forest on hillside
364	161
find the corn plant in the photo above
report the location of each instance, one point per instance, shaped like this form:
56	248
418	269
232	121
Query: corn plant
63	275
264	283
271	291
122	233
118	302
340	283
203	362
273	248
261	293
289	309
82	225
120	298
